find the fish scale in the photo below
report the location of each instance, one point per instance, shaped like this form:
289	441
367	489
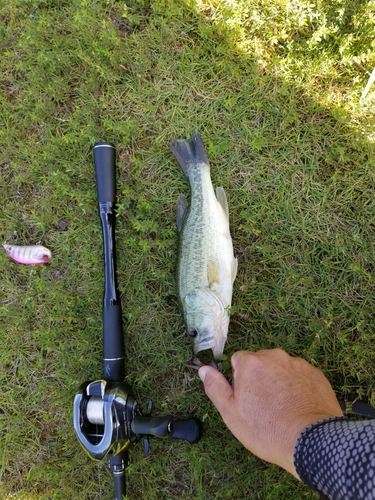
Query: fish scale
196	254
198	238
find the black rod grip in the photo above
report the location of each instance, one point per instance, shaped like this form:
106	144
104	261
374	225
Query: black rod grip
119	482
113	343
113	338
118	464
105	168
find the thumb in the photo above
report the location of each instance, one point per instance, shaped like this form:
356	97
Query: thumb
217	388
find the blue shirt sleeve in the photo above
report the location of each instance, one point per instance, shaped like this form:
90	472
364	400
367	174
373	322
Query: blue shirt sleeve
336	457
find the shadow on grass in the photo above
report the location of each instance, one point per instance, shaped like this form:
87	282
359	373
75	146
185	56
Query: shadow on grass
300	185
301	199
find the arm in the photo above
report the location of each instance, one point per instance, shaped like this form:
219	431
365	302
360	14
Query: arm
336	457
285	411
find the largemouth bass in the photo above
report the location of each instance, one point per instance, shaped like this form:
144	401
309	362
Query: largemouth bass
207	267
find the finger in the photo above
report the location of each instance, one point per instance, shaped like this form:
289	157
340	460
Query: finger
216	387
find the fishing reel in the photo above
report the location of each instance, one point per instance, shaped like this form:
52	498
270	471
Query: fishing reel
107	420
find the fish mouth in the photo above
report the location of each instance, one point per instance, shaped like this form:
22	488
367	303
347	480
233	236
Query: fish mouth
203	344
217	346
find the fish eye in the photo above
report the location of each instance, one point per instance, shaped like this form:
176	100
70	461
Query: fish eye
192	332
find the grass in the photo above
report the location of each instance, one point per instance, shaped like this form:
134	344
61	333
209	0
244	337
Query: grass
274	89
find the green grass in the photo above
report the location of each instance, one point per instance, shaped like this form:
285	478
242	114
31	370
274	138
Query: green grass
274	89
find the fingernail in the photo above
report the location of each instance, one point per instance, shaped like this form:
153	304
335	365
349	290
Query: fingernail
202	373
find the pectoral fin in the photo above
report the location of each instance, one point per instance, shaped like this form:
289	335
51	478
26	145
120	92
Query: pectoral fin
222	199
181	210
212	272
234	269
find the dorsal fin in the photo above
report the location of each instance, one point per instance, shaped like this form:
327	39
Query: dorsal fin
181	210
222	199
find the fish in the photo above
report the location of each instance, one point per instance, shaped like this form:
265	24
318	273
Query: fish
31	254
206	267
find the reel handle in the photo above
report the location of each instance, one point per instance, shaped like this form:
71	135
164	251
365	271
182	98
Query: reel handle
189	429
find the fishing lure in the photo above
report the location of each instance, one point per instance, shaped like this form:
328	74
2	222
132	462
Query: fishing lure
33	254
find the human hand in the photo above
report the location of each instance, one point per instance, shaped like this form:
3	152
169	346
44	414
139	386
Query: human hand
273	397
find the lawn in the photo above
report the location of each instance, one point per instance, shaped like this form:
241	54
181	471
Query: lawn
274	87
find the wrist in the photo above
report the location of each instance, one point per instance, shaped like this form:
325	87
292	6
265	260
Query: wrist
304	437
296	431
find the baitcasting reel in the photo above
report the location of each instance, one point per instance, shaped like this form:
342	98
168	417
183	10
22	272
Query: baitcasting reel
107	420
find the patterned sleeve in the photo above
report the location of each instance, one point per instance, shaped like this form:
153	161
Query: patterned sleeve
336	457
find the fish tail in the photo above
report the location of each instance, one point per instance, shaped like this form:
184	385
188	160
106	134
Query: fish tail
189	152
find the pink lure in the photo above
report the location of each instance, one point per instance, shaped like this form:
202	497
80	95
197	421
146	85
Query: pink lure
33	254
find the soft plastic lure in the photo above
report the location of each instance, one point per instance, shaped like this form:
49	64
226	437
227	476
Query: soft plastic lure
33	254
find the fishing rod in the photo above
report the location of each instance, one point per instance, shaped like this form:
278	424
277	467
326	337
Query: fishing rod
107	418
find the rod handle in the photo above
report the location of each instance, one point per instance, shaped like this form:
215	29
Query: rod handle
113	343
118	464
105	169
